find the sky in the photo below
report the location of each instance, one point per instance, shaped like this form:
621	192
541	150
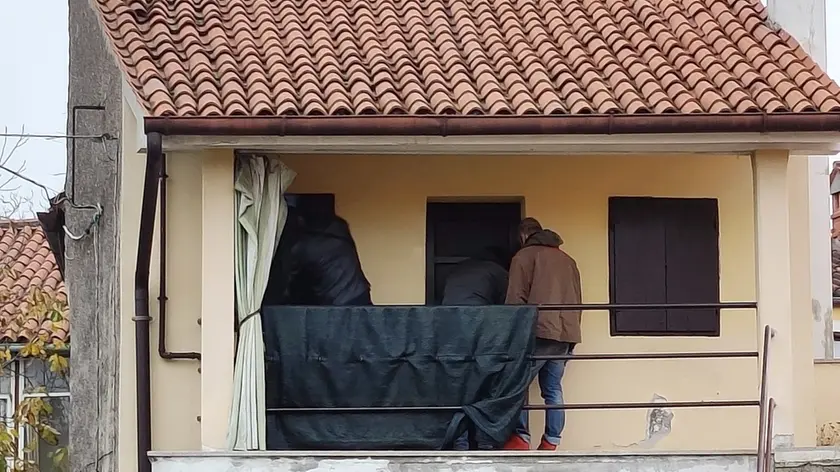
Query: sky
33	95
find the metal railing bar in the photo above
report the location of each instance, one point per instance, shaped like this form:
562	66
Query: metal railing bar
768	445
762	398
647	405
574	406
648	306
649	355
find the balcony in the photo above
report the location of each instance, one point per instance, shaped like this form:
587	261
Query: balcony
630	458
620	380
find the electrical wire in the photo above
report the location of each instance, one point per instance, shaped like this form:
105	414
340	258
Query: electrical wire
105	136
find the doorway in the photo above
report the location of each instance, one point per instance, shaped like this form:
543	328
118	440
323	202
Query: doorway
454	231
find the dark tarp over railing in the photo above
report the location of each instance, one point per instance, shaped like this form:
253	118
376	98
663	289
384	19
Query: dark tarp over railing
402	357
280	412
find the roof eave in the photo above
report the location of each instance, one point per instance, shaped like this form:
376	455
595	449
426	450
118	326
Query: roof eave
478	125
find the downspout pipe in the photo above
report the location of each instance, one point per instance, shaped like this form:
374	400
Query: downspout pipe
162	298
154	154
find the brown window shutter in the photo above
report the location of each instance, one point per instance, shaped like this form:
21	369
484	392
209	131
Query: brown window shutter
637	264
692	259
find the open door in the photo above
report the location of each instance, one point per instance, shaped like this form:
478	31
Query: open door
455	230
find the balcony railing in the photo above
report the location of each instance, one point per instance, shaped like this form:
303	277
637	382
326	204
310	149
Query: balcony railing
766	406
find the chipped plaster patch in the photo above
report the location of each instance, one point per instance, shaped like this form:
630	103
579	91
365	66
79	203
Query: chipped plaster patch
657	425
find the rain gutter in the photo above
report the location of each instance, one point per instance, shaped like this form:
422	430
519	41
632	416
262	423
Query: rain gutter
437	125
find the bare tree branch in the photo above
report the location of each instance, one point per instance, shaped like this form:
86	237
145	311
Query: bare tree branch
13	202
5	157
31	181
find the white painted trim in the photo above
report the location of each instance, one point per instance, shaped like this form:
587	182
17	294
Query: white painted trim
47	395
8	421
396	455
720	143
9	406
131	105
815	456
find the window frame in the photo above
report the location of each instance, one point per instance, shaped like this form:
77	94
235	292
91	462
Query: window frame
9	418
16	372
613	275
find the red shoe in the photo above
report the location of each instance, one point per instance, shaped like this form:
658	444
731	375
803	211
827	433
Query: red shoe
516	443
546	446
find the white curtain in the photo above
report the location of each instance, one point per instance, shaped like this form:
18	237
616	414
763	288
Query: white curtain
259	184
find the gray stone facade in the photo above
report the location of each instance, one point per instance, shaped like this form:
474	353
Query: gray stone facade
94	108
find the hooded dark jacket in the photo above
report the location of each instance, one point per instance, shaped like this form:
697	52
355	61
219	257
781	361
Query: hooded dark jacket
317	264
541	273
479	280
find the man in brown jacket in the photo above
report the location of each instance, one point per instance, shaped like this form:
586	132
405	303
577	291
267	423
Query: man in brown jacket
541	273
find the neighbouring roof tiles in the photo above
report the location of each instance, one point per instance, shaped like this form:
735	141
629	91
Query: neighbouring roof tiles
27	266
461	57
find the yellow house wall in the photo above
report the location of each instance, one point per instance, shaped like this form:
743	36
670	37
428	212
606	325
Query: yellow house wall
827	379
384	199
827	387
176	391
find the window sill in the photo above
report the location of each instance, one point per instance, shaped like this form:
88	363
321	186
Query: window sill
826	361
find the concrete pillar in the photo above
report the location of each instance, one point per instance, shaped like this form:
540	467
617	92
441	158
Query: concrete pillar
801	300
809	207
805	21
217	302
773	280
822	331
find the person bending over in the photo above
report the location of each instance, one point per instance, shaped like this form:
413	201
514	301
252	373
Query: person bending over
478	280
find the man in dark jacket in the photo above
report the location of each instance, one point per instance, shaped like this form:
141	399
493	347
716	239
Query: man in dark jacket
542	273
317	264
325	266
479	280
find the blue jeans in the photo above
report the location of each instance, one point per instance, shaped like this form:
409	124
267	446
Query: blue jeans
550	374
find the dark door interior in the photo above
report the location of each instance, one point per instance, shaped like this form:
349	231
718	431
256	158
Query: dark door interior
454	231
312	204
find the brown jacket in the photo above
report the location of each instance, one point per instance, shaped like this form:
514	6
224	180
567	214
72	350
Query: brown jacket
541	273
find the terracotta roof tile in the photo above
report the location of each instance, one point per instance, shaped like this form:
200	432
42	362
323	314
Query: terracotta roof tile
28	268
499	57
